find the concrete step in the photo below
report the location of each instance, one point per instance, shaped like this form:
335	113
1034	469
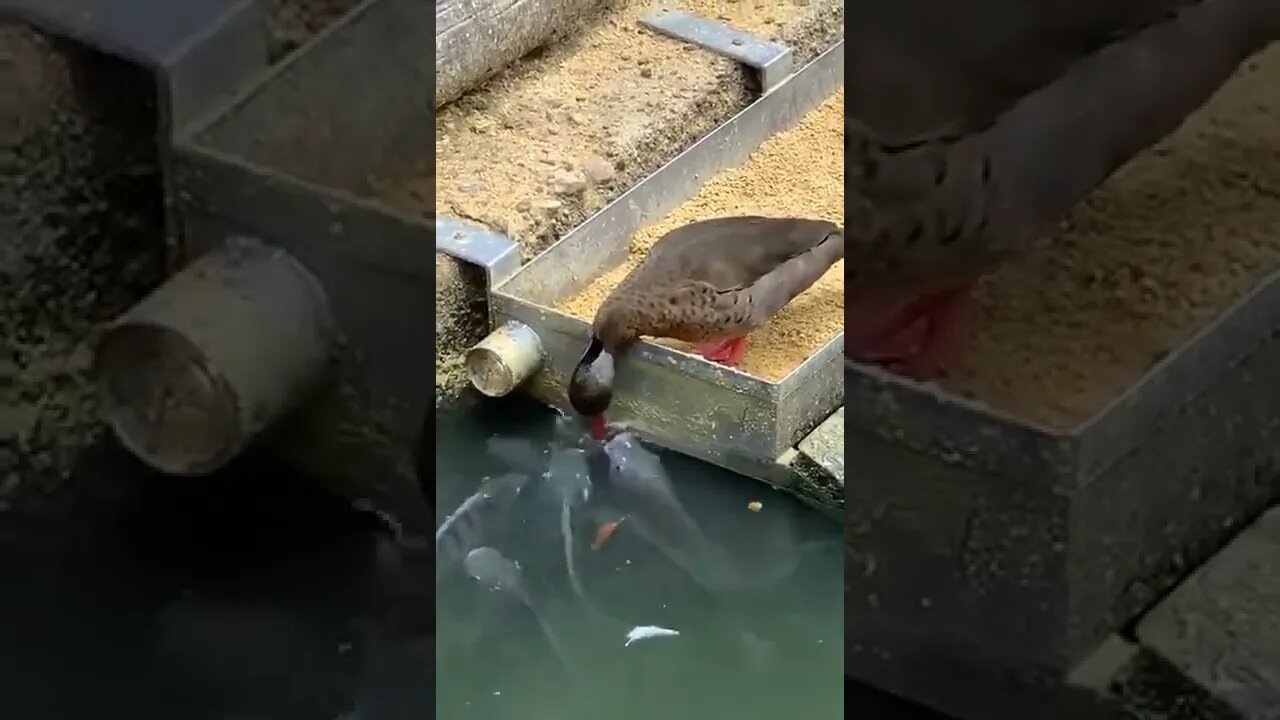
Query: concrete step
1221	626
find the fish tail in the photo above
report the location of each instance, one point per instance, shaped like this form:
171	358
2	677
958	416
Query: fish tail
567	532
558	648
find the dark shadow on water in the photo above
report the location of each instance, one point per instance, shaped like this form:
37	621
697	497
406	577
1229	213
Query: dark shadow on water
251	594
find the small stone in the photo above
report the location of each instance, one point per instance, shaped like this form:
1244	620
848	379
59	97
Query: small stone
548	204
470	187
598	170
524	206
569	183
577	119
646	72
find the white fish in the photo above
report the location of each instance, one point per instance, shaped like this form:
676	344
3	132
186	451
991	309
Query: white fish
645	632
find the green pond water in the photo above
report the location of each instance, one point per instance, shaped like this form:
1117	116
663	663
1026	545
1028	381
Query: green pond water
768	647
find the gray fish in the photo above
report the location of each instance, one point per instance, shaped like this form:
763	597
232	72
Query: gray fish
494	570
570	480
468	526
569	476
499	573
645	493
634	468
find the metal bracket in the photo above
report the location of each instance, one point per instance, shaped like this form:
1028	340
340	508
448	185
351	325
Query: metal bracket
771	61
495	253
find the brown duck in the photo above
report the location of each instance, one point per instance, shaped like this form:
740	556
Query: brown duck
709	283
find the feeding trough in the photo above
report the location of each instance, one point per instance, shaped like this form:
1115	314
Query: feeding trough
729	417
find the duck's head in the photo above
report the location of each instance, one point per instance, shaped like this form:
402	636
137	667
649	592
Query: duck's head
591	386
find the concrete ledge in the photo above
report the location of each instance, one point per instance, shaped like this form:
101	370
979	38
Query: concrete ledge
1137	684
1221	627
818	466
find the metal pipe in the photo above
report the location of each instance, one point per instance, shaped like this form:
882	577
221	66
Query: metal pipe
503	360
192	374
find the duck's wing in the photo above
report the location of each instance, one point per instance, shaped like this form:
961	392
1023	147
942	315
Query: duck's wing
947	204
919	68
732	252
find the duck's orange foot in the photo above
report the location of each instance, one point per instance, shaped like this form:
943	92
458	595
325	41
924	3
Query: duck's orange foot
918	339
726	352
